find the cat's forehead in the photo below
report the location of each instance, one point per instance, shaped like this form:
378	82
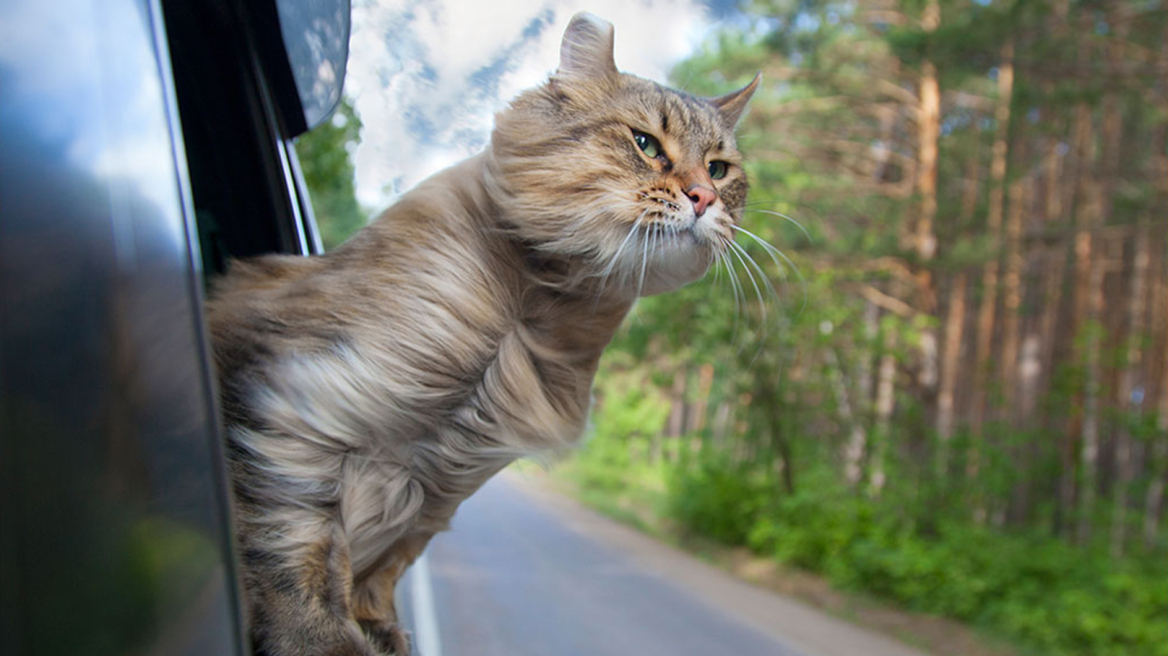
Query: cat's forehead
671	112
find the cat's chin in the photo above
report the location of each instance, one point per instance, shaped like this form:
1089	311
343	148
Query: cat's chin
684	261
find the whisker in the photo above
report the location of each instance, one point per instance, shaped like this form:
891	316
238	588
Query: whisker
776	253
632	232
798	225
735	286
773	294
761	273
737	251
644	261
716	263
771	251
607	273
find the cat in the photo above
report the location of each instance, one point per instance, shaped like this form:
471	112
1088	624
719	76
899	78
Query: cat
369	391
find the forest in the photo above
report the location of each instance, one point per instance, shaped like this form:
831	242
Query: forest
938	374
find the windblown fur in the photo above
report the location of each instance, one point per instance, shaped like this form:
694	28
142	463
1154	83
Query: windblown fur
368	392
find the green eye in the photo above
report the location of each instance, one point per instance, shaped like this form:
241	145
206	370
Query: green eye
717	169
647	144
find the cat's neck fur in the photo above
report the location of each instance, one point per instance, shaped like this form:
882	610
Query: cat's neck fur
443	276
454	224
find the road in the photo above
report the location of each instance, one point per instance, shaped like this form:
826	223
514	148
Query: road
527	572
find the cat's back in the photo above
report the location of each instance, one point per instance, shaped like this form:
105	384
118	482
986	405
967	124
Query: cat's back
414	305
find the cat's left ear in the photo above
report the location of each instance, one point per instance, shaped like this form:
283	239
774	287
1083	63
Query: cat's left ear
586	51
734	103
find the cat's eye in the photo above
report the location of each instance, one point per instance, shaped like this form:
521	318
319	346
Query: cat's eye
648	145
718	169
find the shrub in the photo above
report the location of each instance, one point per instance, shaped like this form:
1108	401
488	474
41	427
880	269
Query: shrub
1049	596
718	499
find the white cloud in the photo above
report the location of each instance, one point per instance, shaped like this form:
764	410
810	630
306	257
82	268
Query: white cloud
427	77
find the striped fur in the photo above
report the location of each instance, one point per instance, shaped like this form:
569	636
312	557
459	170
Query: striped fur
368	392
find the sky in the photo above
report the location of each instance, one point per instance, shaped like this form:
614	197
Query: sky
426	77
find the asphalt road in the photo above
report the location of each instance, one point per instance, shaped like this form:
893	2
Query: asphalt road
526	572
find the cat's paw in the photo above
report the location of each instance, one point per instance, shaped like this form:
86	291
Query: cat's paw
388	637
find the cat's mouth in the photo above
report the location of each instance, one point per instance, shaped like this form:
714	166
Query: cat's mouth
671	252
711	229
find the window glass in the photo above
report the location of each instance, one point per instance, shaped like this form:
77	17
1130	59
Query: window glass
316	37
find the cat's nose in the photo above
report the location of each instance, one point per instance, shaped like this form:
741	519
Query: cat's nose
701	197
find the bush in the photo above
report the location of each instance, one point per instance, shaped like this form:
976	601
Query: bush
717	499
1042	592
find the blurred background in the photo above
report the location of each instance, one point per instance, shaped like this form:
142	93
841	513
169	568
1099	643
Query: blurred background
948	389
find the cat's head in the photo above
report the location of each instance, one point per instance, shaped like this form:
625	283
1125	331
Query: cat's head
639	183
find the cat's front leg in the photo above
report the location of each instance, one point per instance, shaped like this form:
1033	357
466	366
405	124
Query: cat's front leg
373	596
298	587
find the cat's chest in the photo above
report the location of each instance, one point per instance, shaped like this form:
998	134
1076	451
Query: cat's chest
529	396
521	404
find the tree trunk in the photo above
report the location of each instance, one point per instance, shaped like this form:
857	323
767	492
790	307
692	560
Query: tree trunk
675	427
885	404
1100	211
1158	465
955	330
780	443
701	406
1092	357
1083	210
857	446
853	451
1012	295
854	425
1052	299
989	286
1158	462
1127	397
1012	368
950	364
720	426
1112	139
1154	497
928	134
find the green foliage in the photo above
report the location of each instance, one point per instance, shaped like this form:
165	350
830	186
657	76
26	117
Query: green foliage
325	159
975	524
718	499
628	412
1047	595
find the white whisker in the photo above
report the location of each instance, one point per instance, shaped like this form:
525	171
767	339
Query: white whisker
758	268
735	286
736	250
615	256
775	254
644	261
798	225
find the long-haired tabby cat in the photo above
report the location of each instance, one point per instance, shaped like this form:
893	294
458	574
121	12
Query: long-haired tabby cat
369	391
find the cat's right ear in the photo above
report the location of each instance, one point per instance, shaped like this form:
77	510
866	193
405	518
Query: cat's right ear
734	103
586	51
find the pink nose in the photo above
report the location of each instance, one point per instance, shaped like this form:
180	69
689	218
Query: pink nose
701	197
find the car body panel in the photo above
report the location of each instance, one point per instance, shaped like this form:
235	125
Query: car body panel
115	532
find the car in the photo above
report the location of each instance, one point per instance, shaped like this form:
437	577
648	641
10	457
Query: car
143	143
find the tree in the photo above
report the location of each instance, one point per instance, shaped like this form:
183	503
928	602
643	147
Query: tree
325	159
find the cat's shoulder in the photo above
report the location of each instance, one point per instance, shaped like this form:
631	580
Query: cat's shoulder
264	272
